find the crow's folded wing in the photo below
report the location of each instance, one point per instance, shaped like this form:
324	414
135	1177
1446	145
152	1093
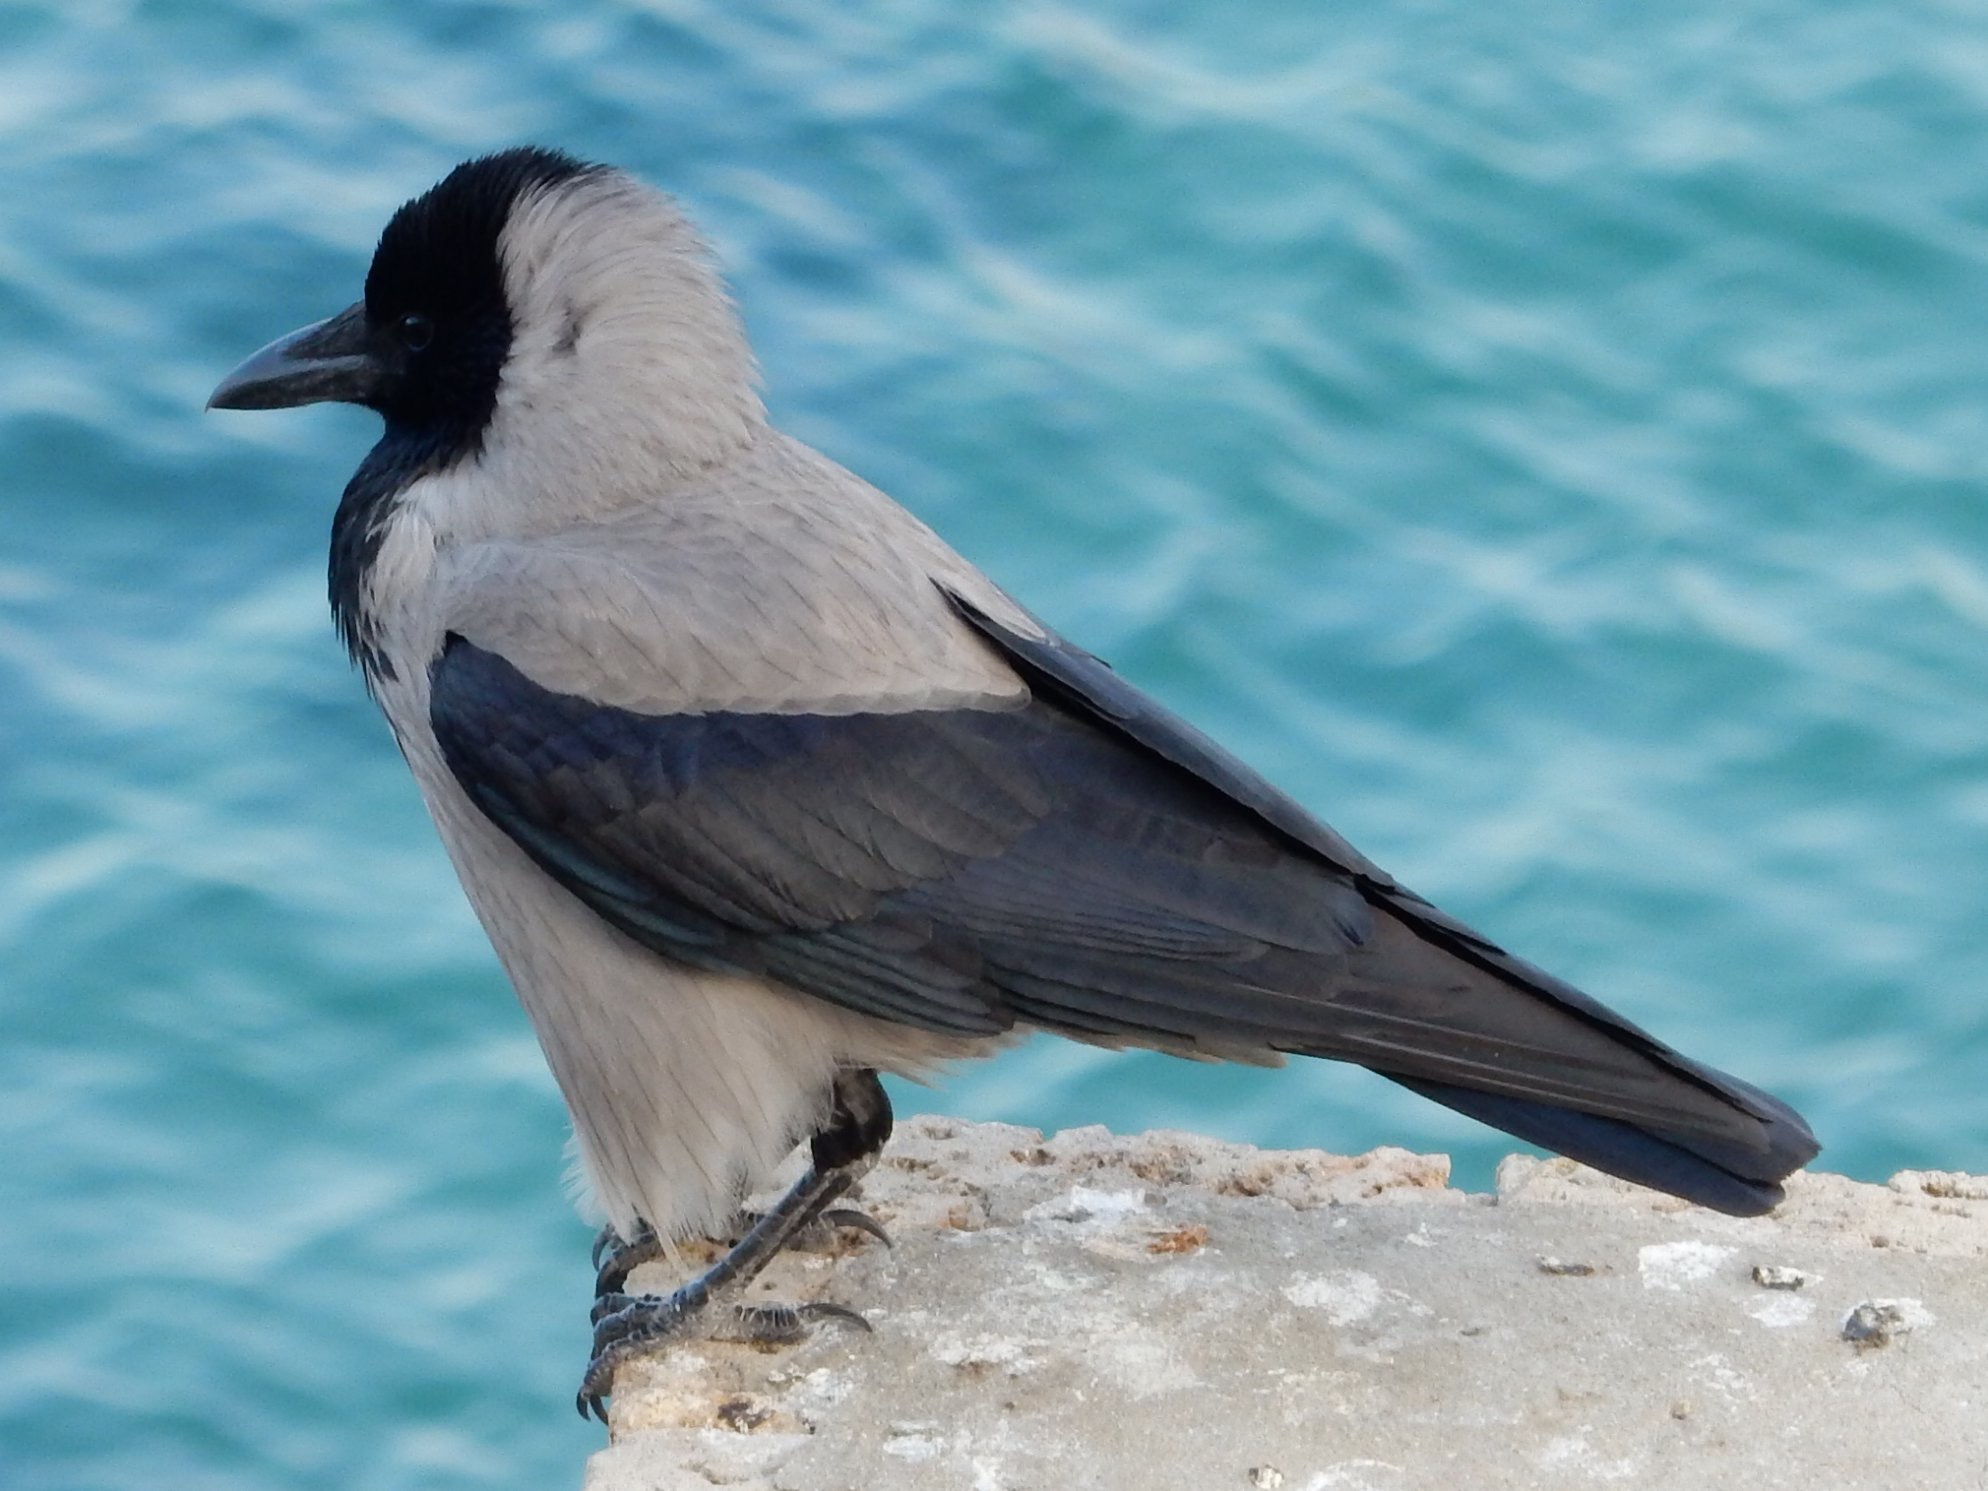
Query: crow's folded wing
956	869
1078	859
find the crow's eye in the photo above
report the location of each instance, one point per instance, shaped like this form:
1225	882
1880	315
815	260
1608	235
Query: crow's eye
416	331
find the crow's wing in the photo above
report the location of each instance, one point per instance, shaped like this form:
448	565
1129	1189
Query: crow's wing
1074	858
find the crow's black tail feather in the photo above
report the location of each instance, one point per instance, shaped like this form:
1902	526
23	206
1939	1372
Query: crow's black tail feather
1736	1177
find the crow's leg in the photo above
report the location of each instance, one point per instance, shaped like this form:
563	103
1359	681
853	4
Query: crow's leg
709	1306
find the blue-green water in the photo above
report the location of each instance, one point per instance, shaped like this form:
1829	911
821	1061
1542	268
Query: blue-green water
1549	441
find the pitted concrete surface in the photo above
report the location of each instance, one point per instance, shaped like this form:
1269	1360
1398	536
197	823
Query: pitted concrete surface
1168	1311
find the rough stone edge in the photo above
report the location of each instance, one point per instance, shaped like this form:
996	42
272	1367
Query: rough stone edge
943	1174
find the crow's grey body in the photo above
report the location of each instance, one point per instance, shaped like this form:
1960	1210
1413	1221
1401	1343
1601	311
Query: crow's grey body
753	781
685	1084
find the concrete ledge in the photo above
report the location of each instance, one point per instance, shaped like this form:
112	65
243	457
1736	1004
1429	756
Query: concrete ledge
1168	1311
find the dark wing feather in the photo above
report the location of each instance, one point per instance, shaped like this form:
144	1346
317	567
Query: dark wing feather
1081	861
904	864
1735	1169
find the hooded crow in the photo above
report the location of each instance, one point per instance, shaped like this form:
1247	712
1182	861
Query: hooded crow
759	789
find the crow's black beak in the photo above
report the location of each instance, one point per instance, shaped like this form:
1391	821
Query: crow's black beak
340	360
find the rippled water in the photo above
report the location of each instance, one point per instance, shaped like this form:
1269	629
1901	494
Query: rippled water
1550	445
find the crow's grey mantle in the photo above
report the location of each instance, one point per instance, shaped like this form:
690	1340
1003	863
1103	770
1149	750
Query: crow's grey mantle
1169	1311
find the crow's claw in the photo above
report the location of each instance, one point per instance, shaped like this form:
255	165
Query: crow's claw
609	1240
782	1325
615	1257
856	1221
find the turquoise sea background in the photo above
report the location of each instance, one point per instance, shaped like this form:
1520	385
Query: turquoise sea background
1549	441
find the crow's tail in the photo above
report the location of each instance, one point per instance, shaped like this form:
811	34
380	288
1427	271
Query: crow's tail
1740	1179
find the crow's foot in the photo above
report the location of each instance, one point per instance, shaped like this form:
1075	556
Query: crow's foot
709	1306
627	1327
